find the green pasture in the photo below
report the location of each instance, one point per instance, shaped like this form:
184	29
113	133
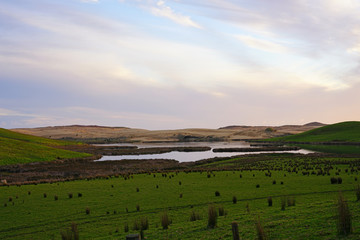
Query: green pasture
27	214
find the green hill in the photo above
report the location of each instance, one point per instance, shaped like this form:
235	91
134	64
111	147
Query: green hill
339	132
21	148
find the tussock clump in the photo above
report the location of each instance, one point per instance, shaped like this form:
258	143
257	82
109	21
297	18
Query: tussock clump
194	216
222	211
70	234
344	216
283	203
357	192
274	182
165	220
270	201
212	216
248	207
333	180
79	194
126	227
260	230
291	201
45	195
144	223
217	194
70	195
56	197
234	199
138	207
181	195
257	185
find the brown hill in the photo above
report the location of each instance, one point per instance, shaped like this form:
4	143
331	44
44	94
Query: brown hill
122	134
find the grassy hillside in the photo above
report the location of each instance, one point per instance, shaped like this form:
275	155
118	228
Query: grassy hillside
339	132
33	139
20	148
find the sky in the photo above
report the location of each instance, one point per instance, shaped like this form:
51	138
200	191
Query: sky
170	64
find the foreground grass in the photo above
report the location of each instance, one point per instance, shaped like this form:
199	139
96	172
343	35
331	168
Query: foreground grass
113	204
18	148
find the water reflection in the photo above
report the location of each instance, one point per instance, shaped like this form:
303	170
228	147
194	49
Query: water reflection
189	156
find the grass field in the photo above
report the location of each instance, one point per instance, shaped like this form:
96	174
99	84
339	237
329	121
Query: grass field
340	132
18	148
27	214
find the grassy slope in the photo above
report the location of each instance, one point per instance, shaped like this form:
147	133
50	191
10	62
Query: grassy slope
313	217
339	132
20	148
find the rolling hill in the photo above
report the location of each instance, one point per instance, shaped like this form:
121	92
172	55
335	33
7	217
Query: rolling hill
18	148
339	132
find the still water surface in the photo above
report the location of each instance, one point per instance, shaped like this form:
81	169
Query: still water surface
188	156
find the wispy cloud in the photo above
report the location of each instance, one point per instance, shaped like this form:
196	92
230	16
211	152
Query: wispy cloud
262	44
163	10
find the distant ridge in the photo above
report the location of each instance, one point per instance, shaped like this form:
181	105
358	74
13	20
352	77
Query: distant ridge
317	124
311	124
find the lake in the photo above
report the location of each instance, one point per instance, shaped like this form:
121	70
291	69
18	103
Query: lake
189	156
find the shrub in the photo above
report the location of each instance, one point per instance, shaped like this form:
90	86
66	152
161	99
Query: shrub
212	216
87	210
217	193
270	201
260	230
165	220
344	216
234	199
194	216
